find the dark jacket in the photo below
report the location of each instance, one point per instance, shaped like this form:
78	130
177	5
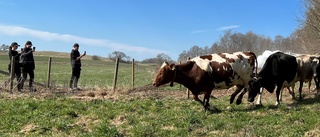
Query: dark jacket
73	56
26	59
16	56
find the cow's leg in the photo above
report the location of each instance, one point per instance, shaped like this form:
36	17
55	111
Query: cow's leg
309	86
258	102
316	82
239	99
281	91
291	92
235	93
206	101
196	98
279	87
300	90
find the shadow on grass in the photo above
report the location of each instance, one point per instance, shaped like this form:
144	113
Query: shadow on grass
306	101
214	110
252	107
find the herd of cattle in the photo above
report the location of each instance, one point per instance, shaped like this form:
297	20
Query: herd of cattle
224	70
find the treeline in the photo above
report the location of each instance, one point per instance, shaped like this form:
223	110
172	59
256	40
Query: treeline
234	41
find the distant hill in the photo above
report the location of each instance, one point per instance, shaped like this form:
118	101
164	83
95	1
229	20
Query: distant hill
59	55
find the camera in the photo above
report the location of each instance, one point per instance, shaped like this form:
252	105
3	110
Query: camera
34	48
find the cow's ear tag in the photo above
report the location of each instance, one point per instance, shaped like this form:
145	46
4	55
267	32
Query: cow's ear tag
173	68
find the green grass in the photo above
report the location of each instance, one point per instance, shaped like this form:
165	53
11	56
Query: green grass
152	116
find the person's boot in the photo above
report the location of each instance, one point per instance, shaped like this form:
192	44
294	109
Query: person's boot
70	84
31	88
22	83
76	84
19	80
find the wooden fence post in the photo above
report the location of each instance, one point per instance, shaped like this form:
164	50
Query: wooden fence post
188	93
132	73
115	75
49	72
12	73
180	64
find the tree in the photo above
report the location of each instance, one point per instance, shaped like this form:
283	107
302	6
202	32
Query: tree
163	57
183	56
4	47
310	25
195	51
118	54
95	57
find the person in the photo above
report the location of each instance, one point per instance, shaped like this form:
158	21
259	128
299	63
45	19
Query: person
76	67
28	64
13	53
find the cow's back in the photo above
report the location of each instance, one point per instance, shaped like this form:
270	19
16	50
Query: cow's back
305	72
228	69
279	67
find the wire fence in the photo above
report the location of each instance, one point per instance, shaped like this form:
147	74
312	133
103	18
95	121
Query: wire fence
56	73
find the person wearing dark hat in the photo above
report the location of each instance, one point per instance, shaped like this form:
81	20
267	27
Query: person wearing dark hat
27	64
76	66
13	53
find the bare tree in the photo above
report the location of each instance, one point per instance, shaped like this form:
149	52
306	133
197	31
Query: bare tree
163	57
183	56
195	51
310	25
118	54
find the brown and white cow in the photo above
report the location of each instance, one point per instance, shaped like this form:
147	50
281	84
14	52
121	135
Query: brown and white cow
216	71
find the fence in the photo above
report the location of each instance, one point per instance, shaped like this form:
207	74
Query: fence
56	73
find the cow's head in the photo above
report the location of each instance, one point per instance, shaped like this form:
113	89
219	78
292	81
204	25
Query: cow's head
254	88
164	75
315	65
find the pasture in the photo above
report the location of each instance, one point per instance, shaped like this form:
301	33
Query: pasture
144	111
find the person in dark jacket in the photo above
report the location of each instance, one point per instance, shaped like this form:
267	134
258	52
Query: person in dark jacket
27	64
76	66
13	53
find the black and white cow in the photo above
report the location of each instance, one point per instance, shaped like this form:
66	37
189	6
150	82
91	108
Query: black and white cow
279	70
316	72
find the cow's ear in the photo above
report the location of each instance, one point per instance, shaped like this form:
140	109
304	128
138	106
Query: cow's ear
173	66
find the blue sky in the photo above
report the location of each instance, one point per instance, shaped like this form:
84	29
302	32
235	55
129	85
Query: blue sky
140	28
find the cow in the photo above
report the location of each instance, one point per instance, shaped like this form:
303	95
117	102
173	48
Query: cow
202	74
279	70
316	72
305	73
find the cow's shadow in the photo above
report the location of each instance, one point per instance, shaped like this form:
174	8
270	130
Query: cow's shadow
213	110
305	101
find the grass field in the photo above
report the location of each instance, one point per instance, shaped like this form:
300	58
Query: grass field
98	111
